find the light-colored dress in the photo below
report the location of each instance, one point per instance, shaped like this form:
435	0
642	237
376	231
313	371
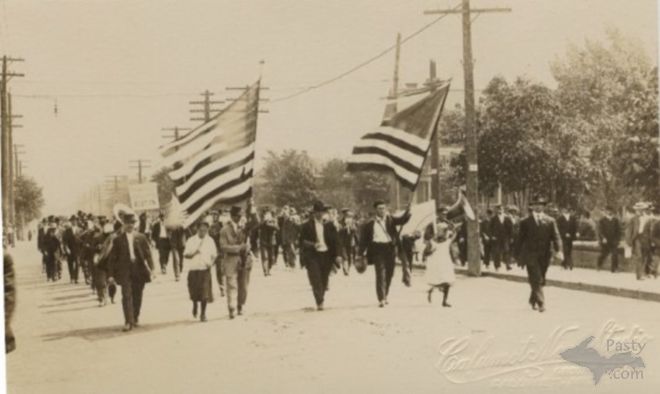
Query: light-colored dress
200	283
439	265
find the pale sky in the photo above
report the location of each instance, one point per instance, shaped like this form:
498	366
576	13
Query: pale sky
121	70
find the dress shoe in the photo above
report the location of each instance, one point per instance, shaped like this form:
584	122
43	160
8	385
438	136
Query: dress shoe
202	318
381	304
320	307
239	311
533	305
541	308
195	311
127	327
231	313
446	305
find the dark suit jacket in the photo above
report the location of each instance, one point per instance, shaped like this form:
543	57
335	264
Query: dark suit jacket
610	229
348	241
71	241
367	234
536	241
501	233
120	266
308	240
567	228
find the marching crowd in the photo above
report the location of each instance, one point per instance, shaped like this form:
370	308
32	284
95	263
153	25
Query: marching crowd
109	252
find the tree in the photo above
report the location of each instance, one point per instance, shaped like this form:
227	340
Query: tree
334	184
369	186
165	185
29	199
524	145
288	178
608	96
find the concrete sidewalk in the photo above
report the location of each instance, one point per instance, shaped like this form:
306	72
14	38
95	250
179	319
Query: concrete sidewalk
620	284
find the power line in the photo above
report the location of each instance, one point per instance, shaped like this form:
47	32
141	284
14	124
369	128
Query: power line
364	63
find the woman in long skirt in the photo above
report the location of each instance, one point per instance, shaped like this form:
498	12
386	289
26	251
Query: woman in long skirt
200	252
440	267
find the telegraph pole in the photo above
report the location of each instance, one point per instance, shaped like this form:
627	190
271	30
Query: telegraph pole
176	133
207	109
474	256
8	210
140	164
392	108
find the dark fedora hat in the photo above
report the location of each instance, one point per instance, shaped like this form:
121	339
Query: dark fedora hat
319	206
539	200
235	210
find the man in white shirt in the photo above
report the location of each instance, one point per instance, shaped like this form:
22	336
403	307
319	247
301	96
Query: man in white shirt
162	240
318	251
131	266
380	240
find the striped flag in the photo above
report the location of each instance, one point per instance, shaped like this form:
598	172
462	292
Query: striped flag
214	163
402	141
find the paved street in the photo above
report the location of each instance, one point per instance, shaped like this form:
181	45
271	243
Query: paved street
66	344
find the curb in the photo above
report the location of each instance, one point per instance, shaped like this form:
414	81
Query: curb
591	288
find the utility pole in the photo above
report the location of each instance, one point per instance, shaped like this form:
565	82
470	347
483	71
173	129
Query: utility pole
176	133
474	255
207	109
392	108
238	88
8	209
434	171
17	160
140	164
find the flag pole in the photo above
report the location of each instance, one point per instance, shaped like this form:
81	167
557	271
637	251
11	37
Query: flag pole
434	131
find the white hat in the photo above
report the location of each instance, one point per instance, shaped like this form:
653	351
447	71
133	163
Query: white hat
123	212
640	206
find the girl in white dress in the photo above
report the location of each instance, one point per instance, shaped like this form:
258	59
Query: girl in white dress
439	266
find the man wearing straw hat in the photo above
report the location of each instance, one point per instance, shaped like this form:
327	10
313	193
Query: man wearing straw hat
130	265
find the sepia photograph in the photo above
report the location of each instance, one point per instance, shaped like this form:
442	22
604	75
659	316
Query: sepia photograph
288	196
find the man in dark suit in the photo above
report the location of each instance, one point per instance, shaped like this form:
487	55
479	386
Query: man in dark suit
161	238
131	266
484	234
610	232
318	251
538	236
379	241
567	226
72	244
501	235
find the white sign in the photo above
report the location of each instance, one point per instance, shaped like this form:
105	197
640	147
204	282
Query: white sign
144	196
421	215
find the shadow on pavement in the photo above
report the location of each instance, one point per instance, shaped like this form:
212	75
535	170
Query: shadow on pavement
101	333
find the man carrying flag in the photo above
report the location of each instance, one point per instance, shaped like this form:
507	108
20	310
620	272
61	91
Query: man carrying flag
400	145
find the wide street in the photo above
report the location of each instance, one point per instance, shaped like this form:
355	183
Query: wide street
67	344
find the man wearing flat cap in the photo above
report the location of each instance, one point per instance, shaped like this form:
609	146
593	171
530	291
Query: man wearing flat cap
379	241
130	265
538	238
318	251
236	261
